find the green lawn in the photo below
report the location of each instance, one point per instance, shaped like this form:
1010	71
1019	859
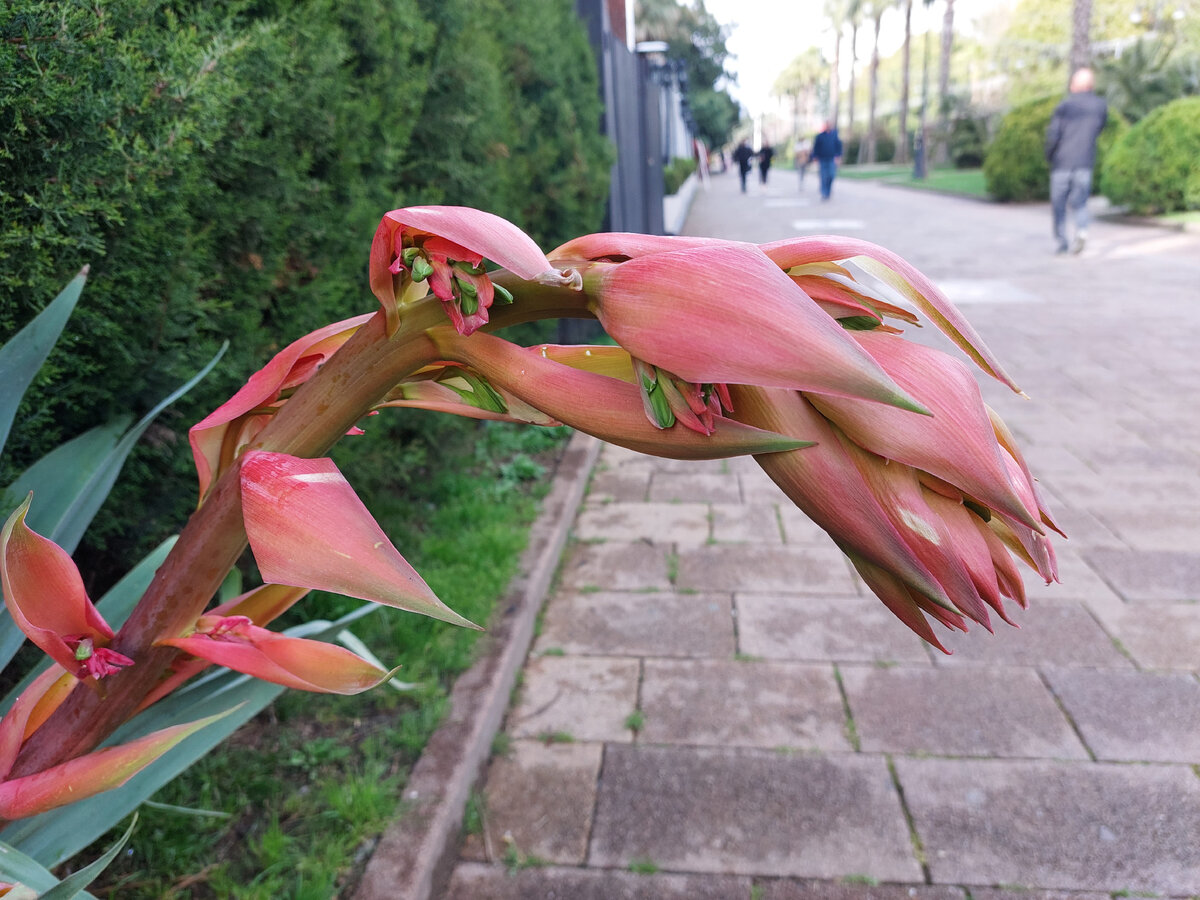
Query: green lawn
290	805
967	182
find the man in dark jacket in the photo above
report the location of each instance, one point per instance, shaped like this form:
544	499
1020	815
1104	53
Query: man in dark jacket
743	156
827	150
1071	152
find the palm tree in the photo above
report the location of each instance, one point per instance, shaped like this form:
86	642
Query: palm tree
943	148
905	83
877	9
1081	27
799	82
835	10
854	15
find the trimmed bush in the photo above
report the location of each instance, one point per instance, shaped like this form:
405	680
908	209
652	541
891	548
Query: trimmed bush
223	168
676	173
1015	165
1155	166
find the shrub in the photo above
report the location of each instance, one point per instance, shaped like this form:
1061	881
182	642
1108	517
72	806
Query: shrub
1154	167
1015	165
676	173
221	166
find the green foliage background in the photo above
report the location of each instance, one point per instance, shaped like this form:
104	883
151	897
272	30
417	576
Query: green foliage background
1015	165
1155	166
223	165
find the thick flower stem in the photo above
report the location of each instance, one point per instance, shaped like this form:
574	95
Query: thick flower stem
308	425
311	422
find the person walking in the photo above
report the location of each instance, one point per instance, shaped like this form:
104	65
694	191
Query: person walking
742	156
803	157
827	151
764	162
1071	153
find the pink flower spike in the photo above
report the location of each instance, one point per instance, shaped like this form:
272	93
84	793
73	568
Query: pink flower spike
956	443
618	246
308	528
727	314
45	595
602	405
479	234
298	663
899	274
289	368
86	776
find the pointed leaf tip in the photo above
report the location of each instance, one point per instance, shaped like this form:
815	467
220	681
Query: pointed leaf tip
308	528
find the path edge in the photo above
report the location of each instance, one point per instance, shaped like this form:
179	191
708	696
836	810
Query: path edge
415	855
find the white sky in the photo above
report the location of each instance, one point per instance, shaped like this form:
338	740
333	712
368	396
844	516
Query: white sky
768	34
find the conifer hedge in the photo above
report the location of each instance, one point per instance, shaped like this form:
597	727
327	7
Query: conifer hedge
222	167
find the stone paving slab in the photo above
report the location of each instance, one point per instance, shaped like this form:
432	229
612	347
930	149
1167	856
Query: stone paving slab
751	812
958	712
743	524
1150	575
1133	716
624	485
742	704
472	881
791	889
619	624
1168	526
663	523
846	628
798	528
978	893
757	487
616	566
694	487
821	570
1159	636
587	698
1068	826
1077	581
1057	633
538	802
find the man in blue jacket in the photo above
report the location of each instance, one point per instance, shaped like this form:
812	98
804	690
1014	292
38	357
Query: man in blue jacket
827	150
1071	152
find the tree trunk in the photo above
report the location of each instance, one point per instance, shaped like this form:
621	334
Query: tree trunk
835	83
853	63
874	90
905	83
1081	29
943	142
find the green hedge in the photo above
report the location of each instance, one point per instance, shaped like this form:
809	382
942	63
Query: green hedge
1155	167
223	166
1015	168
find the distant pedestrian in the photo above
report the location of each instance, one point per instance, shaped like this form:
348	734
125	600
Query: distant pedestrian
742	156
827	151
1071	153
764	162
803	157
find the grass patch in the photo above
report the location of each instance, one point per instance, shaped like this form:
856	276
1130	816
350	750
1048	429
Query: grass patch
635	721
313	780
643	866
966	182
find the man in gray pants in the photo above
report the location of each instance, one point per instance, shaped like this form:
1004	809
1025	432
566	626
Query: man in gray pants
1071	152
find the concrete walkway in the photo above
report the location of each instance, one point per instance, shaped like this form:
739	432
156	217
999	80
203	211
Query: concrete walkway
716	708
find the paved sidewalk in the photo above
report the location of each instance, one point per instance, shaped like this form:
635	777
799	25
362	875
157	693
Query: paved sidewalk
716	708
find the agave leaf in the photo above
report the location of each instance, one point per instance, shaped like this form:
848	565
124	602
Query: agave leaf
73	885
55	836
17	868
23	355
79	475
